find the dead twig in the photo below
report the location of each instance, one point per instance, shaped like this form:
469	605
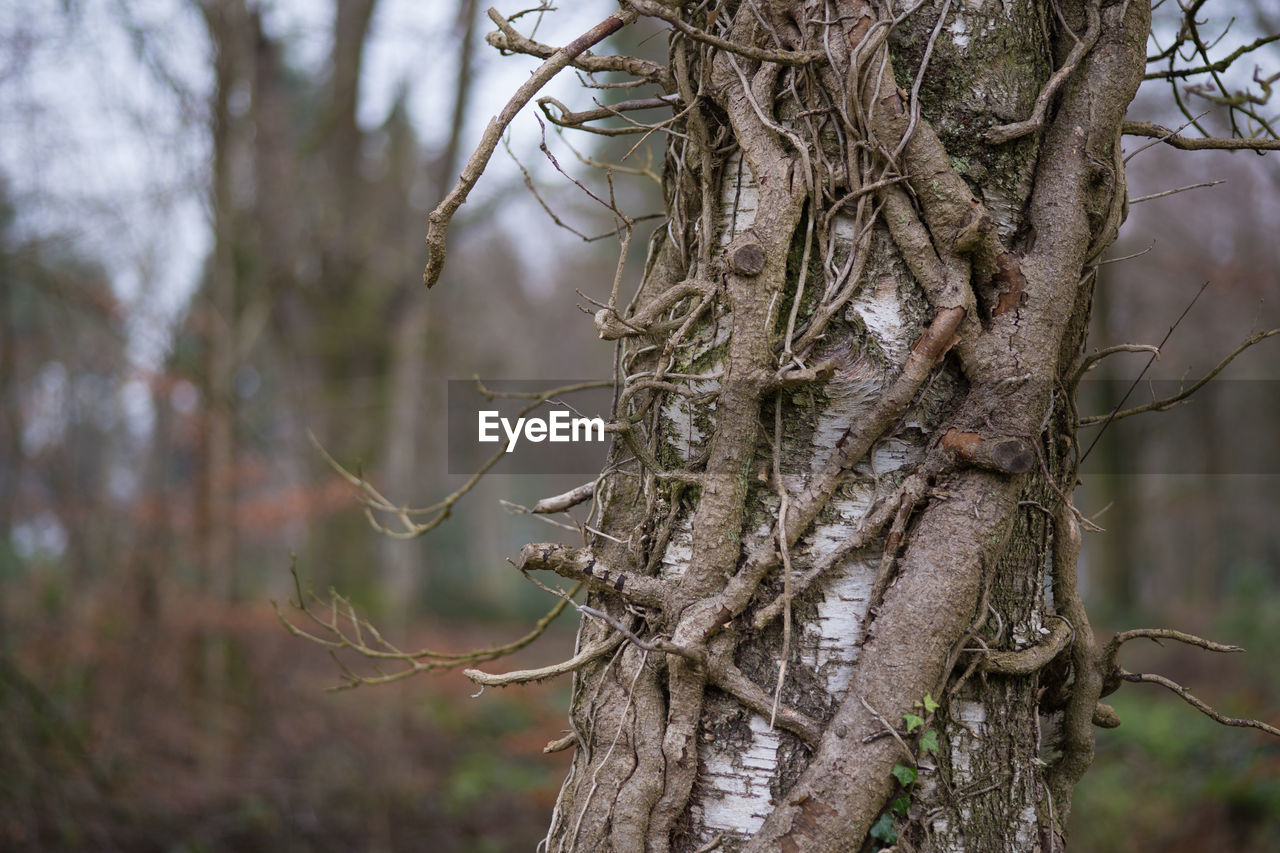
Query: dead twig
343	629
1201	185
1114	674
438	221
525	676
1199	704
1115	412
1170	402
1191	143
781	57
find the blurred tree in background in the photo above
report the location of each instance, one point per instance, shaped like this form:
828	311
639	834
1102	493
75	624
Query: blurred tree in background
156	471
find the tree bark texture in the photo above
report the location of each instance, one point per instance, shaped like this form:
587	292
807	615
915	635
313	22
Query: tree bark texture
847	376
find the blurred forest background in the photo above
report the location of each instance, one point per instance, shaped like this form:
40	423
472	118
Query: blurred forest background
211	225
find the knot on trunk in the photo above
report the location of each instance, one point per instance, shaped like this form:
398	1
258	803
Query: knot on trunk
1002	454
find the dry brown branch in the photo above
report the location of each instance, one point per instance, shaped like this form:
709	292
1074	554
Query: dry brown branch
1165	193
566	501
374	501
525	676
571	119
781	57
1221	65
344	630
1002	454
1170	402
581	565
1115	411
1191	46
1191	143
1198	704
510	40
1150	246
1090	361
546	207
1114	674
440	217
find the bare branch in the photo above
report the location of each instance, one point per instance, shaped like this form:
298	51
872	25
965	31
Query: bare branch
1221	65
781	57
581	565
1114	674
568	118
524	676
1145	368
1190	143
440	217
509	40
1199	704
1170	402
343	629
1201	185
1157	634
560	744
1090	361
566	501
374	501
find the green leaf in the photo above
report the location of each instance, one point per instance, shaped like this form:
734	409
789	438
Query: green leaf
929	705
884	830
929	741
901	805
904	774
913	722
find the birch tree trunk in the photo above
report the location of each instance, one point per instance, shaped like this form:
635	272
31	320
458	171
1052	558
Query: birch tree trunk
838	531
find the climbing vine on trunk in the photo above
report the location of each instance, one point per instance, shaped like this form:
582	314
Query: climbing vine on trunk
830	565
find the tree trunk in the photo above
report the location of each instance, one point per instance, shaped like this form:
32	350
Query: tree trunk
850	373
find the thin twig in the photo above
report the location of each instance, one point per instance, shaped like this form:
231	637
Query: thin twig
1143	198
1191	143
1150	361
781	57
421	660
440	217
524	676
1199	704
1170	402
